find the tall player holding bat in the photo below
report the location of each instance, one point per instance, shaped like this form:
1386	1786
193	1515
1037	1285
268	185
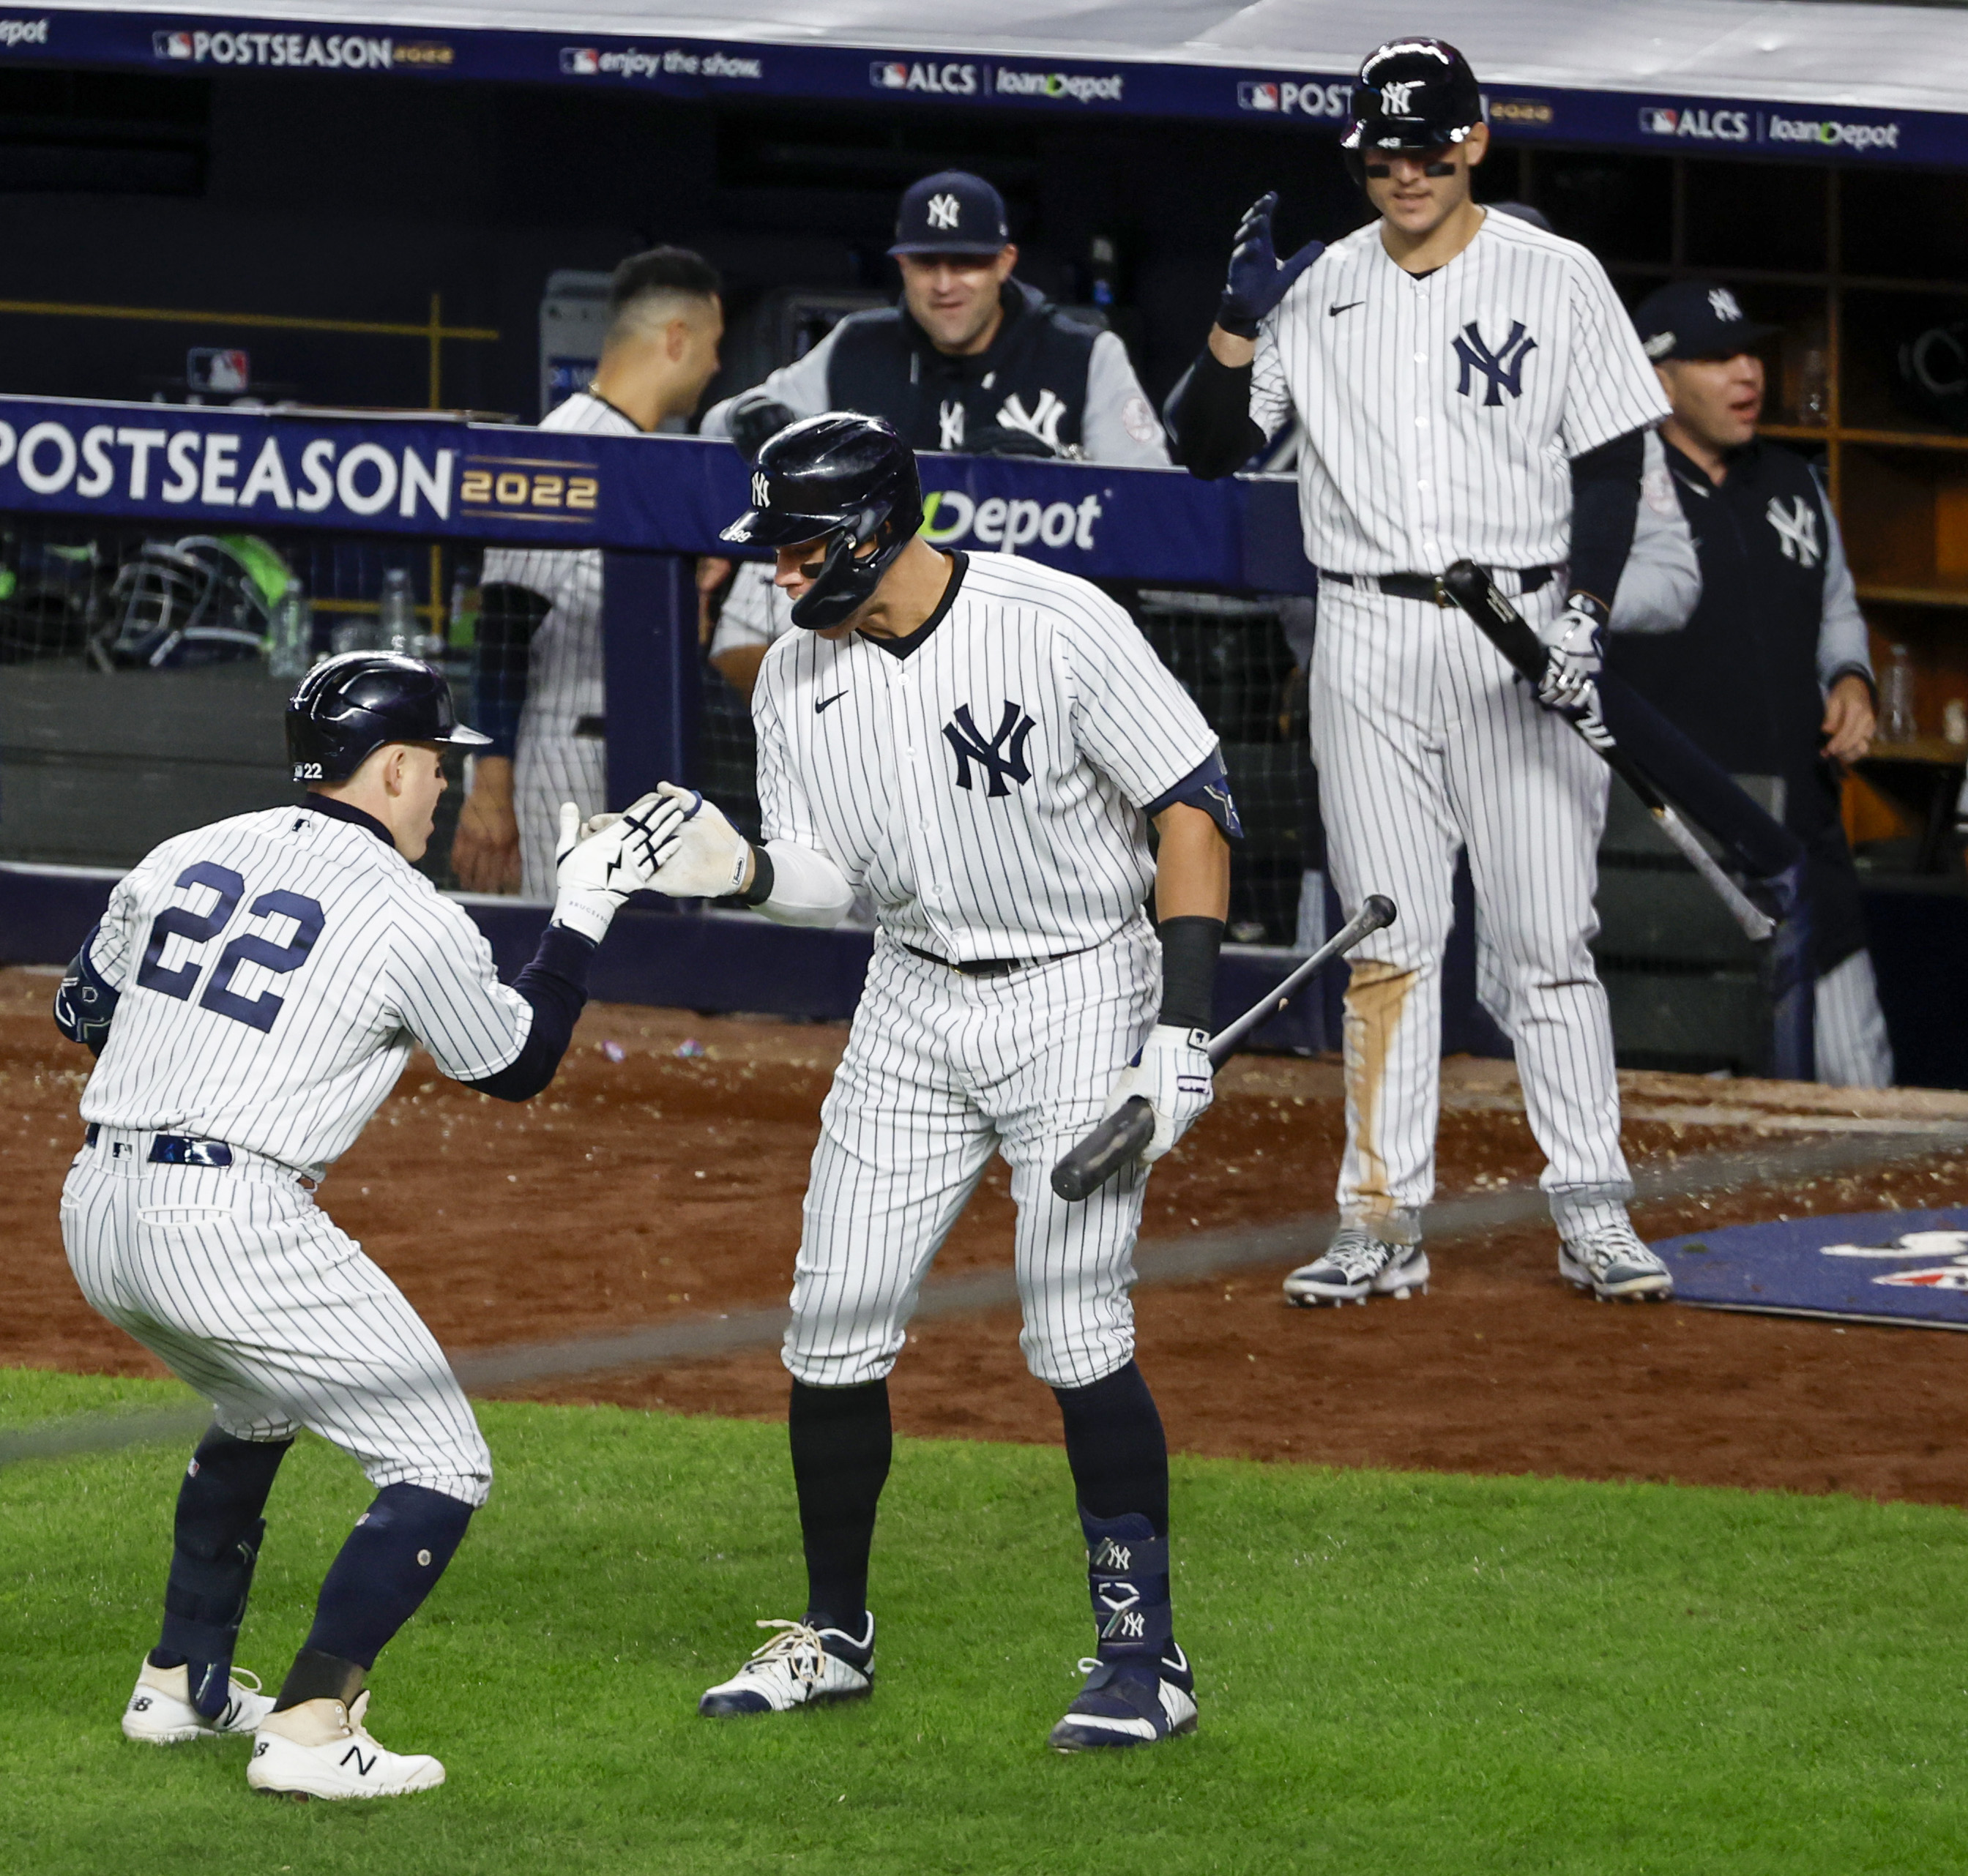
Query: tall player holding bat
1470	388
983	744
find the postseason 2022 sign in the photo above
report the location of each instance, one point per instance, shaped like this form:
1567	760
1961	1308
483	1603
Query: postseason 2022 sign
186	470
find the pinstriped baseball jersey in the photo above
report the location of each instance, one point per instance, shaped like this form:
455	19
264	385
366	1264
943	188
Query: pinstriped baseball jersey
1442	410
986	787
275	972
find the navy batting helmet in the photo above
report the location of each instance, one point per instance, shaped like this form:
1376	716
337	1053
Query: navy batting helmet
1412	94
847	479
348	708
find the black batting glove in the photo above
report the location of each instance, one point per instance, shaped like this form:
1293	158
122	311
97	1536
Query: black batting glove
1256	282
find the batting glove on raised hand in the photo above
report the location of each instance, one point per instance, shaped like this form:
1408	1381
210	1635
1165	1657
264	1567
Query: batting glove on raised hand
710	856
1256	283
594	873
1571	679
1173	1073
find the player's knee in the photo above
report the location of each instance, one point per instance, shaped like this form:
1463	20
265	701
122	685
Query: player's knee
838	1366
1078	1357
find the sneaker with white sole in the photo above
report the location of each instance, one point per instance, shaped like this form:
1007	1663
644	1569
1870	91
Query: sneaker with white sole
321	1749
1126	1703
1614	1266
1357	1265
160	1711
801	1666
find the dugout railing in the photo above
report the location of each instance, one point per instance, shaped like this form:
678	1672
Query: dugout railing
381	525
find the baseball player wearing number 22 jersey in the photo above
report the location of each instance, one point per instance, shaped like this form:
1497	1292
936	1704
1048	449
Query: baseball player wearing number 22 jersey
253	992
981	743
1470	388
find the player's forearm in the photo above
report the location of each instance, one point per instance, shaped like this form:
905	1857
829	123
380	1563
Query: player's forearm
1209	416
796	885
555	985
1191	905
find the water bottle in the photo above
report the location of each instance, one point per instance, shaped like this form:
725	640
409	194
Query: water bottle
396	615
290	645
1896	717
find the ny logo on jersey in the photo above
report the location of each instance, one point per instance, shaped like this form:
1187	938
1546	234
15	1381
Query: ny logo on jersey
943	211
1503	368
1797	529
1041	421
1397	95
1002	758
950	426
762	490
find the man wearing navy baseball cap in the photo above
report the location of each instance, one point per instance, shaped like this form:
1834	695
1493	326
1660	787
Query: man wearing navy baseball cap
1766	665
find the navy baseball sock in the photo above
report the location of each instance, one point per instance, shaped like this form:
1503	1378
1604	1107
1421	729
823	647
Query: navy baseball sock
215	1542
841	1442
1119	1457
390	1563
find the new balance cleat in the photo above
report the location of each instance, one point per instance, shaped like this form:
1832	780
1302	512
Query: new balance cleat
160	1711
1614	1266
1129	1703
1357	1264
801	1666
321	1749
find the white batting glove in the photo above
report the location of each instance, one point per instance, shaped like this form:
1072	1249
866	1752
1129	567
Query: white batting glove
1173	1073
1571	679
594	874
709	858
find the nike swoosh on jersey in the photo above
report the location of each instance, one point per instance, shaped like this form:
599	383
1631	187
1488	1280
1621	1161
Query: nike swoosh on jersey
1335	311
822	705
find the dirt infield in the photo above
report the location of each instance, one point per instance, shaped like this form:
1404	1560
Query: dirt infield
648	1185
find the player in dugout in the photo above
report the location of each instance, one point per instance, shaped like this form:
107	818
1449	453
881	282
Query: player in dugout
540	693
970	359
1765	661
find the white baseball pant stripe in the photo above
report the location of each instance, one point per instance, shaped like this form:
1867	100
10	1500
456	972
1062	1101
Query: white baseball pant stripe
941	1070
247	1292
1425	743
551	769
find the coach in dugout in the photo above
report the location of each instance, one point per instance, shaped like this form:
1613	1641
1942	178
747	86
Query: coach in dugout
971	360
1766	666
540	653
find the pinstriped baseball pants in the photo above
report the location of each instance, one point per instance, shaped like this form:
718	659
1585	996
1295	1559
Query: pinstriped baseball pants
1426	742
247	1291
941	1071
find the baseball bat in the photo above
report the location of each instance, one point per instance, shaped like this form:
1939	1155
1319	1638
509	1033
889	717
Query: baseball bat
1120	1137
1506	628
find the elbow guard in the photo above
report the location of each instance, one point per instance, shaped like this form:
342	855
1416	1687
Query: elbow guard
85	1002
797	886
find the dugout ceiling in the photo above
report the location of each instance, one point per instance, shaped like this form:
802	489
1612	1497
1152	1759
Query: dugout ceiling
1772	78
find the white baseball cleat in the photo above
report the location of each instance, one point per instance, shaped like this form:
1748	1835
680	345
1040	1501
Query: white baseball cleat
321	1749
801	1666
1615	1266
160	1712
1357	1265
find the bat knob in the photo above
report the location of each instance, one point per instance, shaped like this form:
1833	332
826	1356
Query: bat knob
1380	909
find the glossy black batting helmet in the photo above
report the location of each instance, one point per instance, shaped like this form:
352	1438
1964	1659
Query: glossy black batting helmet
1412	94
348	708
843	478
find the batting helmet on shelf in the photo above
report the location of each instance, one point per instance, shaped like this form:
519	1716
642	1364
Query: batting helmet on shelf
1412	94
205	599
347	708
844	479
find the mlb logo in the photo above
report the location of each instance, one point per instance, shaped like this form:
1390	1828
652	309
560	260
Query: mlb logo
1251	96
889	75
170	45
1658	120
580	61
227	372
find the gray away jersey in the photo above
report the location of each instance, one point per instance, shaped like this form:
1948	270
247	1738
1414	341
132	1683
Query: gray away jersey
1440	412
275	972
987	789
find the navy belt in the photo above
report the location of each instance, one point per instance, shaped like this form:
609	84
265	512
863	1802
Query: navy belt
176	1149
991	967
1426	586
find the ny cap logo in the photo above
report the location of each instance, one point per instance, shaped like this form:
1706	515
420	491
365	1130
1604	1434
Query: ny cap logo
1797	529
1002	758
1723	303
761	490
1503	368
943	211
1396	96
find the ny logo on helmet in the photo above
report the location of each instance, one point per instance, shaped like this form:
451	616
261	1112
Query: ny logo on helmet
1796	530
1002	758
1503	368
943	211
761	490
1397	95
1722	302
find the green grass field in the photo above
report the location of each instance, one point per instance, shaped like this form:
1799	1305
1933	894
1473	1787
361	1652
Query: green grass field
1400	1674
